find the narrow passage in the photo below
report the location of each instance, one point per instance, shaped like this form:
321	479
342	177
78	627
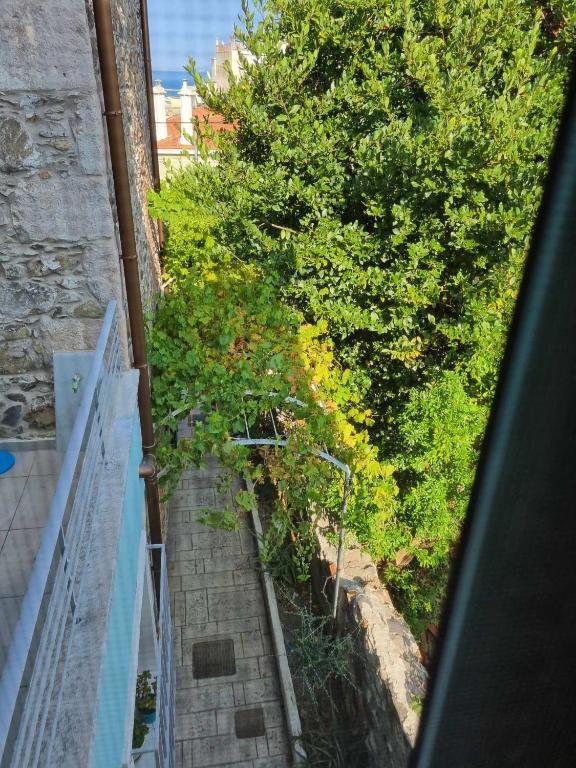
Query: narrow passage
229	710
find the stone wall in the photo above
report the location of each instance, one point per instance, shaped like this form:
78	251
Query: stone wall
393	680
59	253
128	39
132	80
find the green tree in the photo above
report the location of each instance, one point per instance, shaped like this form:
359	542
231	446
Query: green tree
385	175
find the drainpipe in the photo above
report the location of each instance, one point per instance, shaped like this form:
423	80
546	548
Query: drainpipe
115	125
150	100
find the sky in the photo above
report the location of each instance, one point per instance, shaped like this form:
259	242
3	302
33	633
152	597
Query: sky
183	28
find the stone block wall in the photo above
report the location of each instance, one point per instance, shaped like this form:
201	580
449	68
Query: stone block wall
59	251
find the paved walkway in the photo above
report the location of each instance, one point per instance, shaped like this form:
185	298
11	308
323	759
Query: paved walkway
26	492
228	704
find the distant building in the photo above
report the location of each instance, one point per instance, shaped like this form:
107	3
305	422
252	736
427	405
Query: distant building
233	54
176	132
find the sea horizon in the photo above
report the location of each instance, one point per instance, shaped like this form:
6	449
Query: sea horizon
171	79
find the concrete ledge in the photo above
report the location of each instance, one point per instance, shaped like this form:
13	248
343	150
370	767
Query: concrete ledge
35	443
288	696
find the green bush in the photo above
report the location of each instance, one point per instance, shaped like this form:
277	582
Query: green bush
384	178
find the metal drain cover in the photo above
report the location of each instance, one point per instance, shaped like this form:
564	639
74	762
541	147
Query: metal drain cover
213	659
249	723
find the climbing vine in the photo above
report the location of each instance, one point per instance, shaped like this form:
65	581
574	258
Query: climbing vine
224	345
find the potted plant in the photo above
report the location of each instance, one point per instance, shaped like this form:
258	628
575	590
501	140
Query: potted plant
139	733
146	697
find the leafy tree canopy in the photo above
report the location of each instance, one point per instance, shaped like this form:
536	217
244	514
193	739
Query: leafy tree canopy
384	177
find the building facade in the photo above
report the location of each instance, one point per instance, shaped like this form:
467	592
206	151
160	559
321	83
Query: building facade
180	125
59	246
84	607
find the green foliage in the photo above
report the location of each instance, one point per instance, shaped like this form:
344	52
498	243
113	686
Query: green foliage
146	692
416	705
317	654
379	193
223	333
139	733
225	519
439	429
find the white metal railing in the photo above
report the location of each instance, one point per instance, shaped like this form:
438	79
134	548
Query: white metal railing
163	747
37	657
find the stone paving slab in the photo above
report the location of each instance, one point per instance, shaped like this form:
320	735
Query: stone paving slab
217	595
26	492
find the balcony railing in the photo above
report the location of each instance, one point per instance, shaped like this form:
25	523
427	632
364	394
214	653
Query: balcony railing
37	657
162	747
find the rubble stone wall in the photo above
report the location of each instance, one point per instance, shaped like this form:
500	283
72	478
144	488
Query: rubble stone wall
131	75
59	251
